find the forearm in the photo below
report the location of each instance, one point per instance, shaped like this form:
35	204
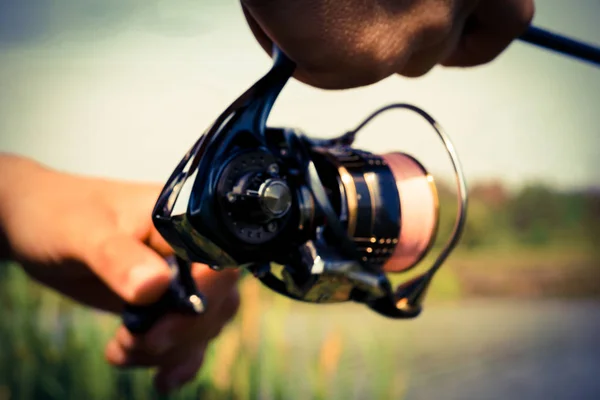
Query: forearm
13	168
6	166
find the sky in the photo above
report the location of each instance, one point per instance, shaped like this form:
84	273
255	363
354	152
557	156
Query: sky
123	88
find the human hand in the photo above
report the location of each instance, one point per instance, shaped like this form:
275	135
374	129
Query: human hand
350	43
93	240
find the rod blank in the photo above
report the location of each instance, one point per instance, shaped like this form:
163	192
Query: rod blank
562	44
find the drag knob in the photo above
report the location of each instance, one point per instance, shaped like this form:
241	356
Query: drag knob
275	198
256	202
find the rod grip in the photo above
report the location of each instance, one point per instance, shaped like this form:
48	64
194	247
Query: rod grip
140	319
181	296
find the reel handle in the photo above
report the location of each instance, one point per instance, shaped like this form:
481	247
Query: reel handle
182	296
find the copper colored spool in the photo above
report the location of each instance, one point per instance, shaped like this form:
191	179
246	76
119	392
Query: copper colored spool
419	211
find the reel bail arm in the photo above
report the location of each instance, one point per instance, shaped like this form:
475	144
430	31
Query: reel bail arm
406	302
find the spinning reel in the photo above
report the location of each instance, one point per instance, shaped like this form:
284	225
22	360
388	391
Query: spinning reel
315	220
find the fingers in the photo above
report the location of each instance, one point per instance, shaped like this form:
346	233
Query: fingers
336	45
176	367
168	337
132	270
176	343
173	330
422	61
179	361
351	43
262	39
490	30
176	373
222	304
158	243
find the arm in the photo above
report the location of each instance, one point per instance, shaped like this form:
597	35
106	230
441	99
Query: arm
11	166
93	240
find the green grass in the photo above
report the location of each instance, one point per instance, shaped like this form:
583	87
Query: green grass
51	348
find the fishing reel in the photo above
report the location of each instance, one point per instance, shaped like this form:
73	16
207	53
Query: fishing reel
315	220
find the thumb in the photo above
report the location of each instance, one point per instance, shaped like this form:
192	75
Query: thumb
132	270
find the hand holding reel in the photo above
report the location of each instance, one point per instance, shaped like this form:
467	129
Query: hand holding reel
335	219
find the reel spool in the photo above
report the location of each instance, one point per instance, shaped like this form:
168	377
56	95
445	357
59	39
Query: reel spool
315	220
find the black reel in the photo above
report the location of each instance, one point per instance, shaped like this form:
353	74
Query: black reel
314	220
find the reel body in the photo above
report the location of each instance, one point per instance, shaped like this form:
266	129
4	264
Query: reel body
334	220
315	220
268	217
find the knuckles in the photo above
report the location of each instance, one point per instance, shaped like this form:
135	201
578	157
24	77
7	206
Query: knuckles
350	43
524	19
436	26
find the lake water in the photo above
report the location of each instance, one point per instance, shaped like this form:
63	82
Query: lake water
481	349
512	350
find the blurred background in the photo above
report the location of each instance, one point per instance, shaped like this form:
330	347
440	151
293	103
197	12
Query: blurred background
122	89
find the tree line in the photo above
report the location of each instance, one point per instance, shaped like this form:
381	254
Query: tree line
537	215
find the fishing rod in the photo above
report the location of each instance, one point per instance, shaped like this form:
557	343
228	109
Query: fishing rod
315	220
561	44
